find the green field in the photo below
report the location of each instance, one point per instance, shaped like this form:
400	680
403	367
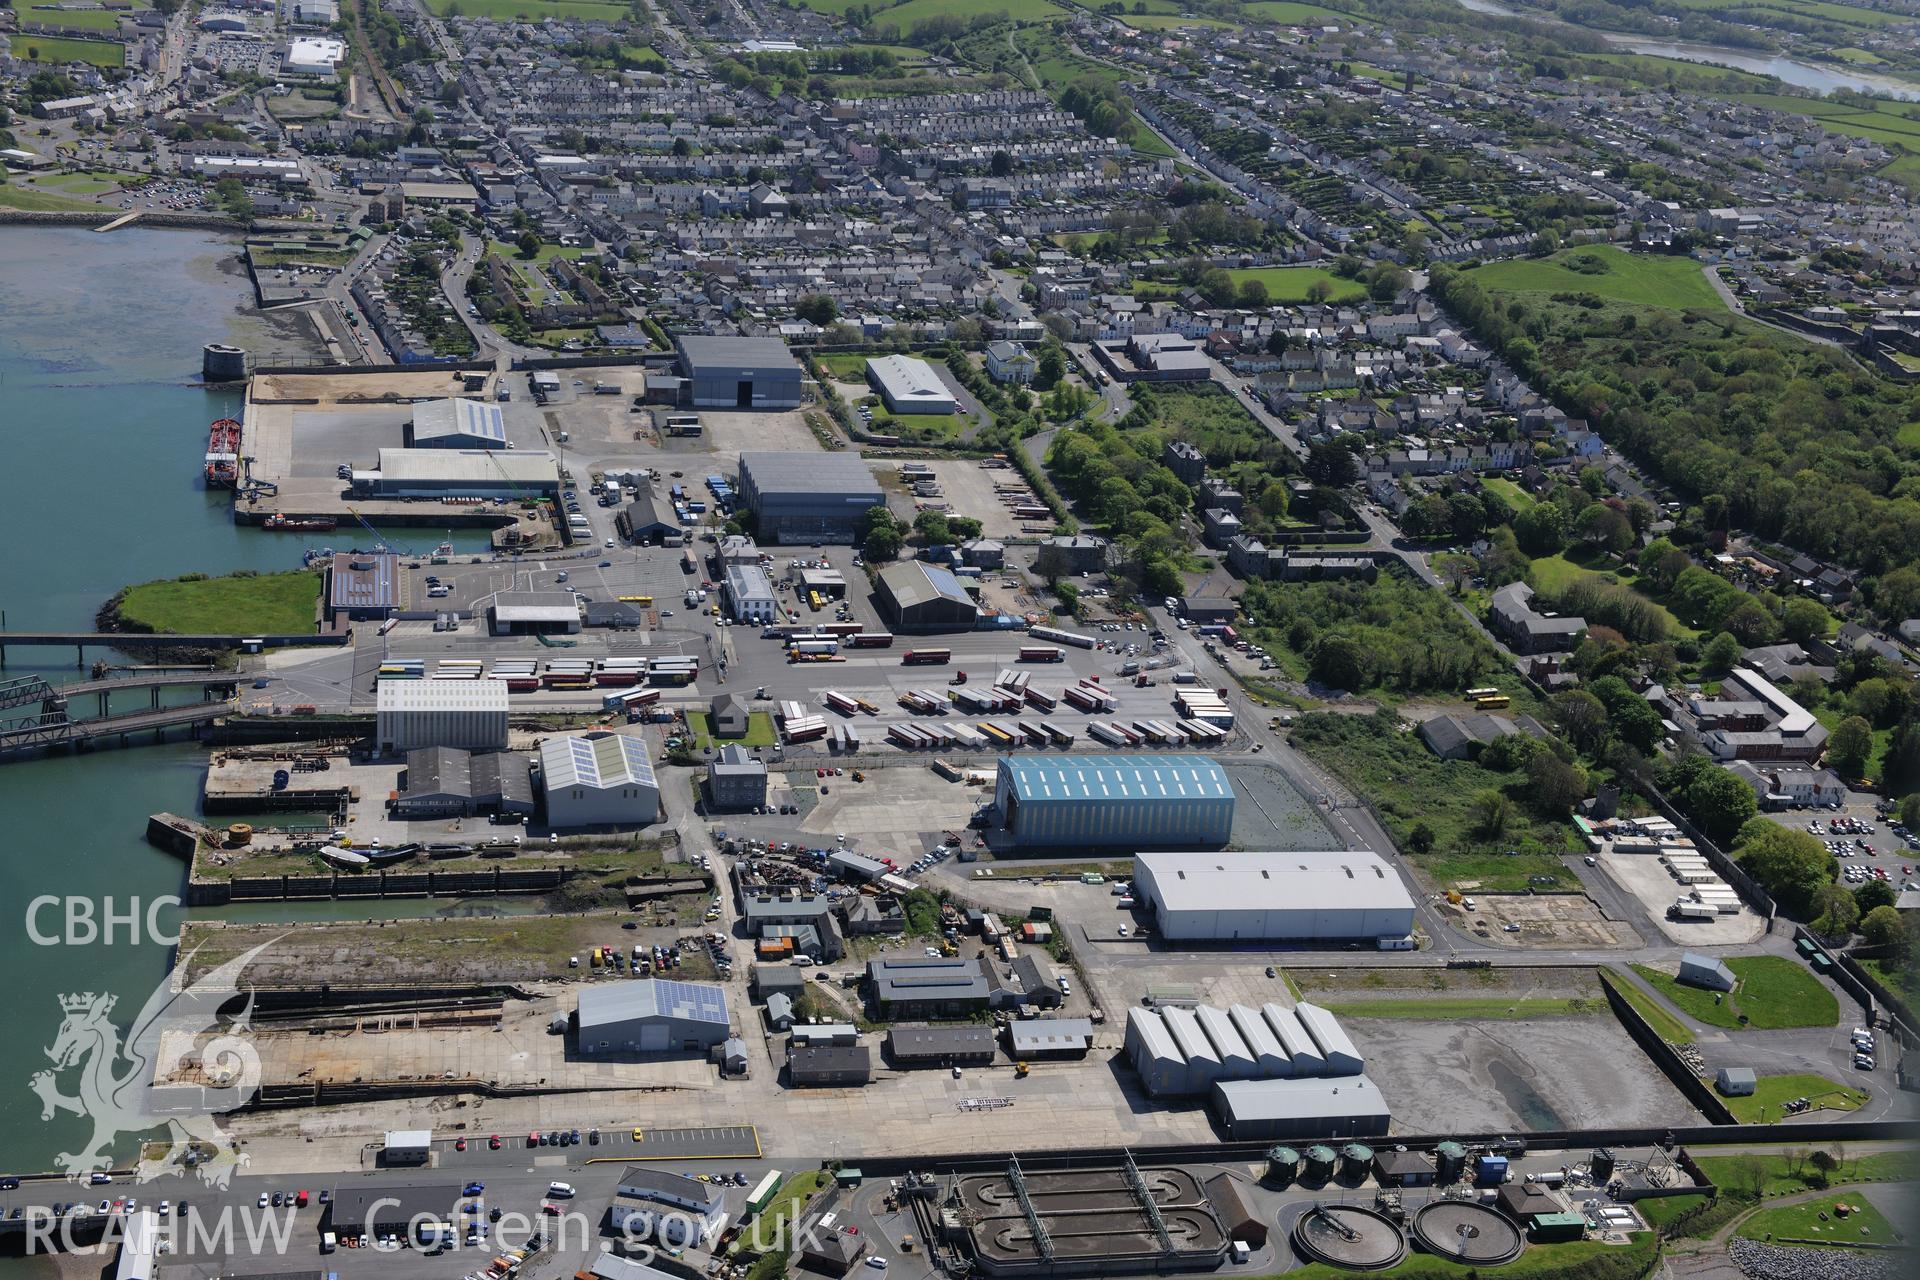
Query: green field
1815	1222
102	20
1483	1008
1284	284
1168	21
81	184
1615	1262
33	200
1845	14
59	49
1770	1093
1516	498
759	731
1289	14
1780	1175
501	10
1551	575
268	603
1491	872
1771	993
1643	279
904	16
846	366
1665	1025
1290	284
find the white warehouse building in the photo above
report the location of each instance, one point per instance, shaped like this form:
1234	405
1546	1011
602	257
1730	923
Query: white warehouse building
468	714
1274	897
598	780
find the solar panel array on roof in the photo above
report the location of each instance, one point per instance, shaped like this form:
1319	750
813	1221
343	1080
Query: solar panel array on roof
691	1000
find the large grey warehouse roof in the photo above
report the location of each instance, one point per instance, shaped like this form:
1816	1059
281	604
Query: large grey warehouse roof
1298	881
915	582
652	998
726	352
810	475
907	381
459	419
1298	1098
1091	777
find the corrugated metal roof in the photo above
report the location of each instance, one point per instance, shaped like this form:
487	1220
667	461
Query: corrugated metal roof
1299	1099
1038	1035
1335	1045
484	466
907	381
915	582
1113	777
828	477
460	419
618	1002
1337	881
599	760
700	353
442	695
364	580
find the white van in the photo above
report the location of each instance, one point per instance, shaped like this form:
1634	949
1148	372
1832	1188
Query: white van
803	962
560	1190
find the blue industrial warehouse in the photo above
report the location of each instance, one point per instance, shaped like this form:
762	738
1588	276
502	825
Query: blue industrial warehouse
1132	802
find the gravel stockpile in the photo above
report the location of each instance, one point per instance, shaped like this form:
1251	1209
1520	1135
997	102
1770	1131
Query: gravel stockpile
1768	1262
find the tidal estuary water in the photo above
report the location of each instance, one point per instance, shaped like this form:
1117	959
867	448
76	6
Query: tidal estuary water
103	420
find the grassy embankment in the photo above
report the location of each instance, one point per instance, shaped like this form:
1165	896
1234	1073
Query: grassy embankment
1771	993
238	604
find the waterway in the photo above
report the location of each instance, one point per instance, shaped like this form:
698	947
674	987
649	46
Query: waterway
104	422
1818	77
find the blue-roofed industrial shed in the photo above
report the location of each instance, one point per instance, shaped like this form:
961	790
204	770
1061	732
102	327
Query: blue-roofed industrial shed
1111	801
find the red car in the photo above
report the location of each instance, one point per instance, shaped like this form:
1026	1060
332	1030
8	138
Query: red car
460	1144
549	1207
493	1143
819	773
533	1139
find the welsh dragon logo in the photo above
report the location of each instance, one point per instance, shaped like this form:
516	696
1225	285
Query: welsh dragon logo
141	1086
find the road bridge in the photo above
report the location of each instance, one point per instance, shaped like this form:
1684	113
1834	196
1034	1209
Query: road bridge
34	715
130	640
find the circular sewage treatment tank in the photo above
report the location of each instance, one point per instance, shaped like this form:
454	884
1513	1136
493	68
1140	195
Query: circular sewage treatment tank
1347	1236
1467	1233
